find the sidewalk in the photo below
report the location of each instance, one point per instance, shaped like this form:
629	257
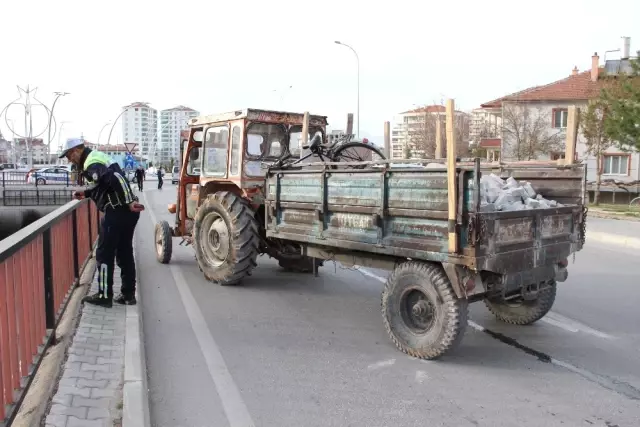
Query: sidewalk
102	365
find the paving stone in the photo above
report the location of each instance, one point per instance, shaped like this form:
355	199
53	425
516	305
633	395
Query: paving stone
68	382
78	411
75	422
92	383
98	393
83	359
95	413
54	420
74	391
92	403
62	399
94	367
100	353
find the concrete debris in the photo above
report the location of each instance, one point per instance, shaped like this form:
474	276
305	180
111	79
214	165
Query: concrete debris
497	194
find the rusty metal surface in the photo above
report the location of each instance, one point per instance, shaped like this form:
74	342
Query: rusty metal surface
37	271
404	214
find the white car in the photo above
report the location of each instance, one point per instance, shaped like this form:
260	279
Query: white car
175	175
60	175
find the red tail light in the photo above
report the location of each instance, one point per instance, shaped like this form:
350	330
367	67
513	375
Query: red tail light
365	141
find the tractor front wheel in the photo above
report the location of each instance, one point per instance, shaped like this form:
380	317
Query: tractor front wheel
225	238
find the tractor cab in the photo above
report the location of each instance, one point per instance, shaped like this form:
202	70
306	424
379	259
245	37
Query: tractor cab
226	152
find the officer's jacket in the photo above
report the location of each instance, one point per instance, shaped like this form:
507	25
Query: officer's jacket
108	187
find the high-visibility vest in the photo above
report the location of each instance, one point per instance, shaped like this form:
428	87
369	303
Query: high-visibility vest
96	157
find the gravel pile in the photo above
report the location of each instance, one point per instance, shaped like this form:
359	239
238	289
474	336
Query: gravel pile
497	194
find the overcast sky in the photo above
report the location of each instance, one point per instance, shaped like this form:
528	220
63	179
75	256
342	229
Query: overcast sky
216	56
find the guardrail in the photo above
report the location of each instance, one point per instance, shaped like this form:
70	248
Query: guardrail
39	267
15	178
35	197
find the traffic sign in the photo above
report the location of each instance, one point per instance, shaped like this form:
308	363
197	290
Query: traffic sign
130	146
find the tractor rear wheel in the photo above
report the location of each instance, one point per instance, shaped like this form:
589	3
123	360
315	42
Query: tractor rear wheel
225	238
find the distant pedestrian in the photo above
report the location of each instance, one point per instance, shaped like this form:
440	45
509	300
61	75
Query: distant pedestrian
160	182
139	174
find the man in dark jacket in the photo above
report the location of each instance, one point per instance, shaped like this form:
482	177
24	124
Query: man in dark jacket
139	174
159	173
112	195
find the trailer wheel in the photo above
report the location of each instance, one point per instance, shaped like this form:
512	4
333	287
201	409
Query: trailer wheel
421	312
164	242
302	265
524	312
225	238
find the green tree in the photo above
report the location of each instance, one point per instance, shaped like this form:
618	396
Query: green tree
406	152
592	124
622	93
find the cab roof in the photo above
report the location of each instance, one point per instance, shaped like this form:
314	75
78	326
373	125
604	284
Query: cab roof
258	115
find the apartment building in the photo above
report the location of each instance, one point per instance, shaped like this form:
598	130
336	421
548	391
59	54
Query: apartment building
172	122
139	125
413	132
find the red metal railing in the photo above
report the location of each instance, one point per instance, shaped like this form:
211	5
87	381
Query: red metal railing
39	266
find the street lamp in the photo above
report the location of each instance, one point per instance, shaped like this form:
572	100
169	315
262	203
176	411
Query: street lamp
358	61
58	95
100	133
124	110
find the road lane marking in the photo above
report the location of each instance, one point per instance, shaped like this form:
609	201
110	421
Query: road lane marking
234	406
552	318
568	324
381	364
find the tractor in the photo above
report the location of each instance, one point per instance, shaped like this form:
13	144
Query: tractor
220	208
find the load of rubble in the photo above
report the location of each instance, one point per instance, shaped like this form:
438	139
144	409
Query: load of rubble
497	194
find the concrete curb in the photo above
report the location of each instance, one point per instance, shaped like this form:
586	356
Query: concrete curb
135	411
613	239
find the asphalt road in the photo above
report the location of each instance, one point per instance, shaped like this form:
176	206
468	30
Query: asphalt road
292	350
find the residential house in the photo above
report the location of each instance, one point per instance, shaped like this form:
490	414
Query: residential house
547	106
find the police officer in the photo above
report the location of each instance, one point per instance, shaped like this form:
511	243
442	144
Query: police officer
112	194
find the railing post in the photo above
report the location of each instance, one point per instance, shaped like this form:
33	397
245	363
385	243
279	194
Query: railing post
74	222
90	228
47	253
3	179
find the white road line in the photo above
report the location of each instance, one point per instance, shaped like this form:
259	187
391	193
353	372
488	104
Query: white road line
381	364
551	318
232	402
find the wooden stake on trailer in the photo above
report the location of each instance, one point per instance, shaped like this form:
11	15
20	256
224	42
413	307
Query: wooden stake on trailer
349	130
451	176
573	116
305	129
387	140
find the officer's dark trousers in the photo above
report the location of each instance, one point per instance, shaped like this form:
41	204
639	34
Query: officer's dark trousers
115	245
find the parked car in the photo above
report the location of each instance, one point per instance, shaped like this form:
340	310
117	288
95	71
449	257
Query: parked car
60	175
175	175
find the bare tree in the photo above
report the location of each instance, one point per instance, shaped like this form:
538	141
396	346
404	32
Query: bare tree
422	134
527	132
593	126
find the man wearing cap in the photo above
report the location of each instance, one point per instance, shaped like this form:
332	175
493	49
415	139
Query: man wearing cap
112	195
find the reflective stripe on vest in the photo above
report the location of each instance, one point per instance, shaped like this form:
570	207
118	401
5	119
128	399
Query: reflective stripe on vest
97	157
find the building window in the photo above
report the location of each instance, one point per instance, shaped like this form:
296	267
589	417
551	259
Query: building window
617	164
559	118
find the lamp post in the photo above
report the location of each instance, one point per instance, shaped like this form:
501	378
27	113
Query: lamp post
58	95
100	133
124	110
358	62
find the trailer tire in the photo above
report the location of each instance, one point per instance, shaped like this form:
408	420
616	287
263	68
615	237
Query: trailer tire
527	312
302	265
421	312
225	238
164	242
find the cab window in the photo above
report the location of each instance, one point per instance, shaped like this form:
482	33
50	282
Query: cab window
265	140
216	151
